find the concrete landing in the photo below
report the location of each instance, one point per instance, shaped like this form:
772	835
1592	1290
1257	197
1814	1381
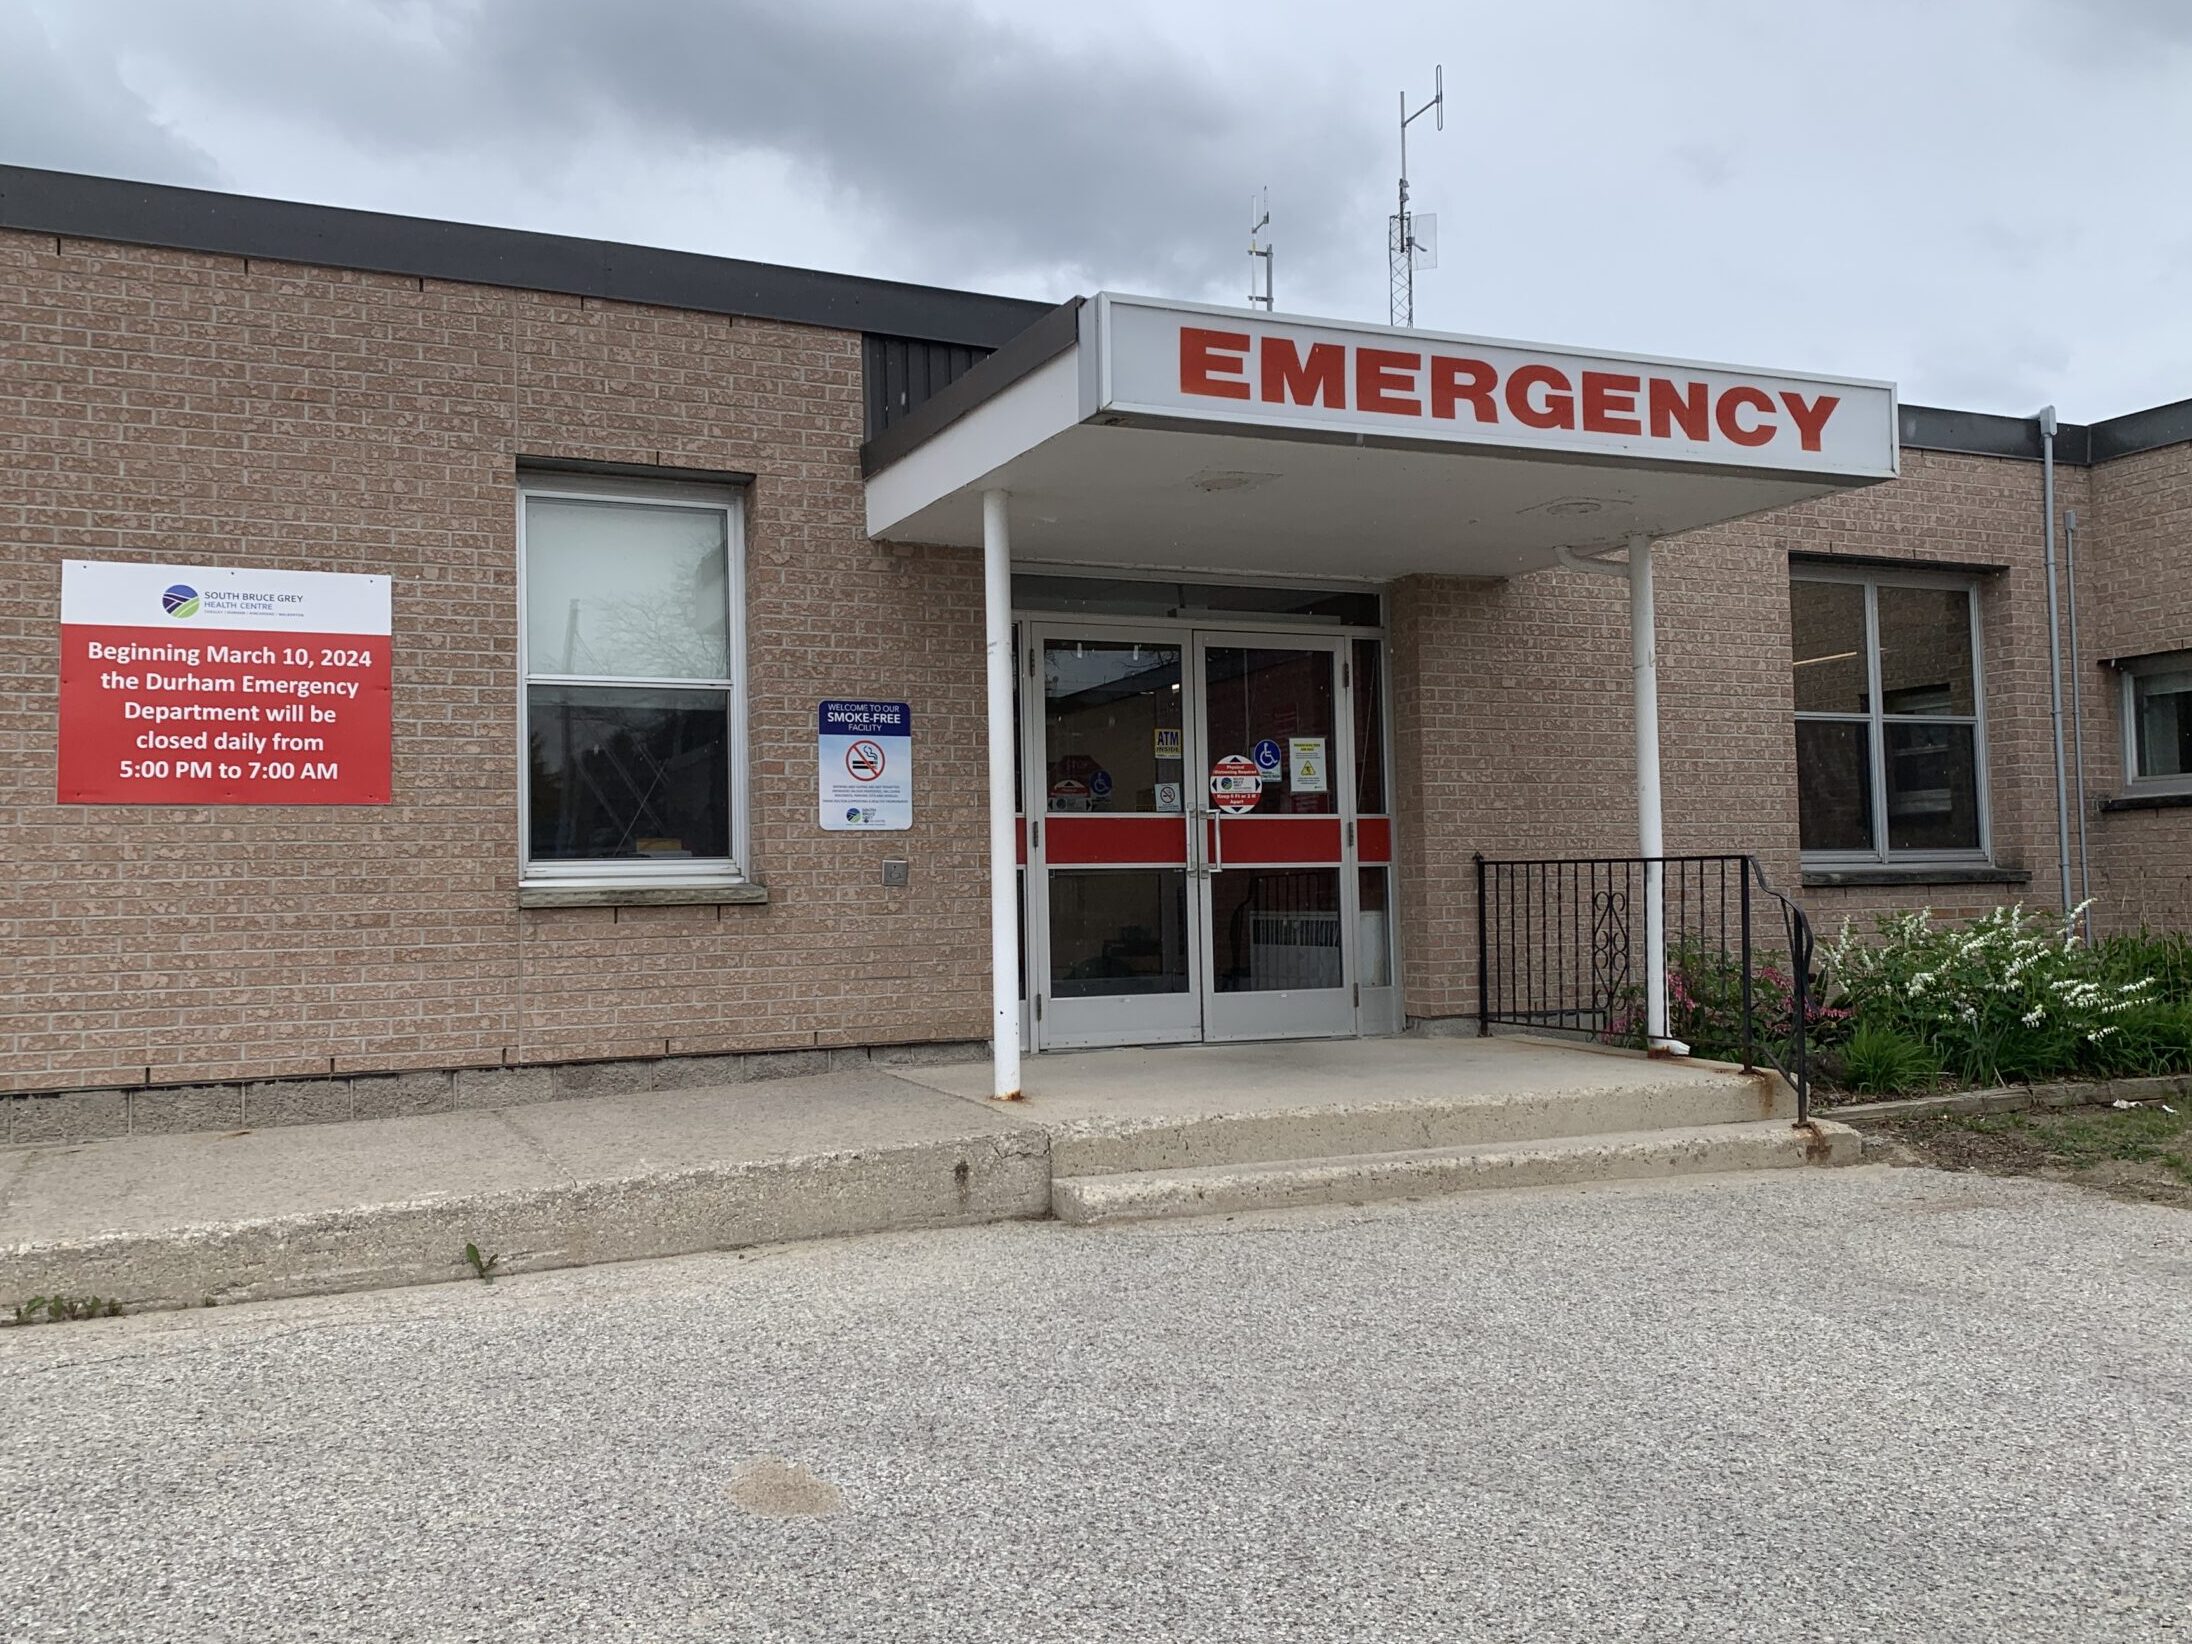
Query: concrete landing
1169	1108
308	1209
304	1209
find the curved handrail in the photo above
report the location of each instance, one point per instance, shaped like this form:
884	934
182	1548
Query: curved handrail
1802	947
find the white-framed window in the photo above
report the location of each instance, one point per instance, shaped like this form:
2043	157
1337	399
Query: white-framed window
2157	719
1890	717
631	650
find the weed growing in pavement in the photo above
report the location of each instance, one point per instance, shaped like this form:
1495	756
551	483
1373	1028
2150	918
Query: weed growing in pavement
65	1309
483	1266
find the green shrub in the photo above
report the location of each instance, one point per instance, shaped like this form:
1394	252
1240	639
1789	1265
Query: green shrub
1883	1061
2010	997
2165	956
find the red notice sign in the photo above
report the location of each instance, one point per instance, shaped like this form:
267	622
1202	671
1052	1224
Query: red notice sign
204	685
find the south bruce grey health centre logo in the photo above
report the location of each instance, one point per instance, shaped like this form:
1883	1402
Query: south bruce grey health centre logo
180	601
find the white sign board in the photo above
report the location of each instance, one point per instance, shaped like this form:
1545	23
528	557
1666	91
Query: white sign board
1306	764
1224	366
866	765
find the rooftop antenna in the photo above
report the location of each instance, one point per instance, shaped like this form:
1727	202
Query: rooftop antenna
1262	212
1412	241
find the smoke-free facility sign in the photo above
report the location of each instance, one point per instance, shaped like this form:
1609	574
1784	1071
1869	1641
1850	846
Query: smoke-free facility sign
866	753
204	685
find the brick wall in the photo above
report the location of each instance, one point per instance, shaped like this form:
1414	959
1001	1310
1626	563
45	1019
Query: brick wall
158	405
2134	598
1513	717
201	409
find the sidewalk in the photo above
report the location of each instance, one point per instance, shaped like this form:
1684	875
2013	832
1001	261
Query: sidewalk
244	1215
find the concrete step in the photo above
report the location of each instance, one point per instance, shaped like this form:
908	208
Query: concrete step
1200	1131
1687	1150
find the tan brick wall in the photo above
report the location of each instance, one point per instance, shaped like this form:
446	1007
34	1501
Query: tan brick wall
196	409
1513	717
2134	598
199	409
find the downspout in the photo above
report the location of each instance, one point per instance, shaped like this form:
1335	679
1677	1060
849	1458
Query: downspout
2055	653
1650	824
2077	711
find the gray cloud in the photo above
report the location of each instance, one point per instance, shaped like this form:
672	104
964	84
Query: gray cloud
957	139
72	112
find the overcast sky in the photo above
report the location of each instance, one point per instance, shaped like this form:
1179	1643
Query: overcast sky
1984	200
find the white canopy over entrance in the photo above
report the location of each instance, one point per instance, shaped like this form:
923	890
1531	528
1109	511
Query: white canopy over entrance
1136	433
1121	431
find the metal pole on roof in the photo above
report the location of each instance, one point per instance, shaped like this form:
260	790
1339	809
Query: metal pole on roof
1004	840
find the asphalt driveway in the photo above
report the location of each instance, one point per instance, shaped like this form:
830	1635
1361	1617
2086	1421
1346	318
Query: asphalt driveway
1855	1404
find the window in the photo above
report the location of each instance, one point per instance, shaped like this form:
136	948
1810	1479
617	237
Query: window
631	652
1890	759
2157	708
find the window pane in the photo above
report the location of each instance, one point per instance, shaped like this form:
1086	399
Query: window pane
1933	788
1925	650
1274	929
1281	696
1833	785
1111	726
1369	730
2164	713
1827	646
629	775
624	589
1117	930
1374	943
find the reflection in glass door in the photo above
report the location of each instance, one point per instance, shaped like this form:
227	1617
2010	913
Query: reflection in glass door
1277	894
1195	868
1117	960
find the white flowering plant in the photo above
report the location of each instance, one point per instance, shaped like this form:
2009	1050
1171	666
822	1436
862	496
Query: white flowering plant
2011	996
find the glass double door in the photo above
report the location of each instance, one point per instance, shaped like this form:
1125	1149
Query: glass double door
1194	865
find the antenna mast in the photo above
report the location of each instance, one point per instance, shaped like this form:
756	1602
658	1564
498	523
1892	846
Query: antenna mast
1262	212
1403	247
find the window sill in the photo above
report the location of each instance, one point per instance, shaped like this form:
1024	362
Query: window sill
2147	802
1929	873
639	896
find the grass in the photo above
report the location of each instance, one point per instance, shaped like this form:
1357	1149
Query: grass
2080	1138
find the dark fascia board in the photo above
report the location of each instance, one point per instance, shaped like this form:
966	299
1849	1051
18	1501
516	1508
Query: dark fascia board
1985	434
2137	431
2079	445
235	225
1037	346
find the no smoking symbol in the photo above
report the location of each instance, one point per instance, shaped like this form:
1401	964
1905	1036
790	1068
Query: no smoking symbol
865	760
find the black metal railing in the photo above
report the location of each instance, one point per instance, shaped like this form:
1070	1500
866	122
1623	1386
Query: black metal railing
1563	946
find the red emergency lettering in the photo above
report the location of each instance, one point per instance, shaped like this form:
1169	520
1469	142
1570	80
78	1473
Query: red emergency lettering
1319	380
1557	410
1735	400
1212	362
1382	377
1685	405
1810	418
1454	380
1609	403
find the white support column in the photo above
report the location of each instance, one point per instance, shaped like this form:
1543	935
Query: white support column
1004	845
1651	839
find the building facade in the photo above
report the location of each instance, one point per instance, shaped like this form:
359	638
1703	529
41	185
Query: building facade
619	498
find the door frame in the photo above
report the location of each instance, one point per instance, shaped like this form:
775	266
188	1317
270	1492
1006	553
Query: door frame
1263	1014
1376	1009
1105	1020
